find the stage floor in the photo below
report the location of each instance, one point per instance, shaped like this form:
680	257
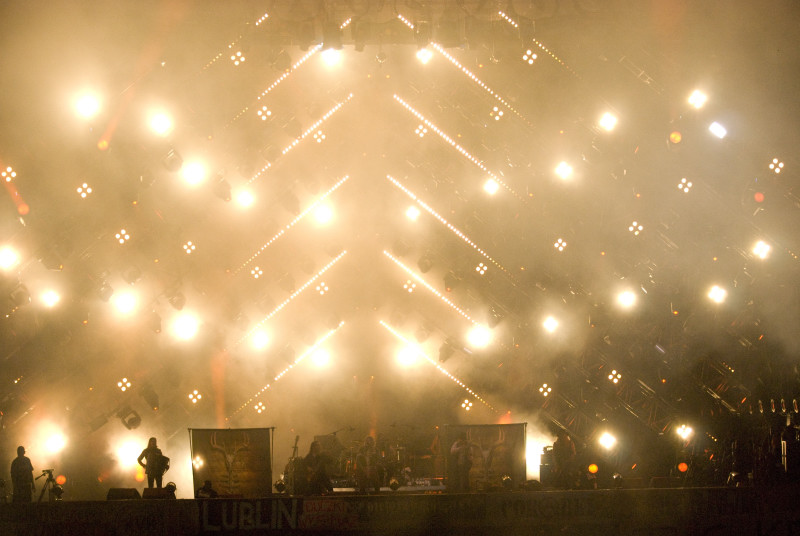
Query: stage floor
741	511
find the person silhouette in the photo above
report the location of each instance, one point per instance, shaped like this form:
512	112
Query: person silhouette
22	477
157	464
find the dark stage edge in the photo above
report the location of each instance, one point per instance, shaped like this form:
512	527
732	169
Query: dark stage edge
740	511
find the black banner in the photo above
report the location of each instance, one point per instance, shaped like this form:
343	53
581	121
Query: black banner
236	461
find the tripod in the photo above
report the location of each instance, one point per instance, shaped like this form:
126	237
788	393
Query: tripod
49	484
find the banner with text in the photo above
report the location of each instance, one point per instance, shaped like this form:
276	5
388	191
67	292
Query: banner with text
238	462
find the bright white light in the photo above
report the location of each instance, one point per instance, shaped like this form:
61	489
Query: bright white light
126	454
550	324
608	122
626	299
491	186
245	198
50	298
684	431
412	213
193	173
124	302
761	249
260	340
323	214
8	258
407	356
424	55
717	294
698	99
607	440
87	106
563	170
717	130
55	443
321	358
479	336
161	124
331	57
685	185
185	326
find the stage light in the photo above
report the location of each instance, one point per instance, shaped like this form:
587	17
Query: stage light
683	467
245	198
323	214
481	268
409	286
264	113
479	336
185	326
717	294
122	236
188	247
197	462
61	480
331	57
545	390
466	405
8	174
685	185
238	58
636	228
615	376
592	468
420	131
424	55
322	288
626	299
698	99
124	302
607	441
195	396
256	272
407	356
529	56
8	258
497	113
87	106
776	165
50	298
607	122
55	443
84	190
491	186
560	244
319	136
563	170
717	130
412	213
321	358
124	384
161	124
550	324
758	197
260	340
761	249
675	137
685	432
259	407
193	173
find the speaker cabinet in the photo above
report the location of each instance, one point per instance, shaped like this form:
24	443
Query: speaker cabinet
122	494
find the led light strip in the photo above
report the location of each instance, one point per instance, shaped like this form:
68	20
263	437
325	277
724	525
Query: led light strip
303	136
438	48
447	224
437	365
508	19
405	21
282	373
291	297
291	224
281	78
223	53
428	286
556	58
456	146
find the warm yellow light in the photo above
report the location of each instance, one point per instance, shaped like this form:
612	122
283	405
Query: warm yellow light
124	302
331	57
607	440
260	340
408	356
321	358
50	298
698	99
550	324
87	106
479	336
193	172
491	186
127	452
563	170
323	214
717	294
608	122
761	249
55	443
161	123
424	55
412	213
245	198
185	326
8	258
626	299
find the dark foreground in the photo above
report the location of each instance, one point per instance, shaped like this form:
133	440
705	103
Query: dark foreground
740	511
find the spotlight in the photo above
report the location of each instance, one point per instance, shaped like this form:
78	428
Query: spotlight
322	288
685	185
160	124
323	214
615	376
698	99
189	248
193	173
238	58
550	324
331	57
685	432
607	122
260	340
264	113
479	336
150	396
394	484
420	131
321	358
8	174
87	106
717	130
122	236
245	198
496	113
84	190
195	397
593	468
466	405
130	419
776	166
560	244
683	467
481	268
424	55
407	356
491	186
124	384
259	407
8	258
761	249
412	213
256	272
185	326
675	137
626	299
197	462
409	286
545	390
563	170
50	298
529	56
607	441
319	136
717	294
636	228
